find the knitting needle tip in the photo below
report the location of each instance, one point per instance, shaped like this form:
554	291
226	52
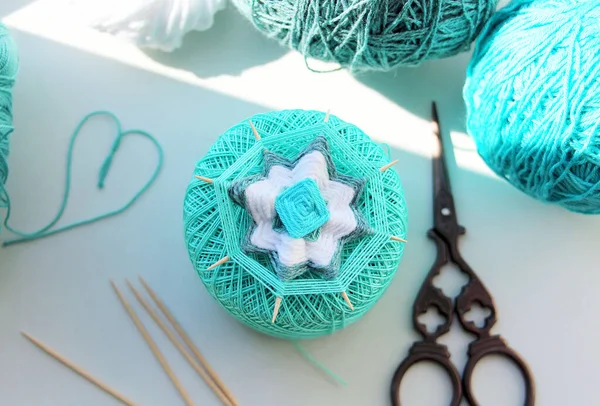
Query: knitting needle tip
327	116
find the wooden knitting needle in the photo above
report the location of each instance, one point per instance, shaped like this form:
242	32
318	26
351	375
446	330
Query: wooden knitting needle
180	347
202	178
327	116
394	238
276	309
159	356
80	371
256	134
187	340
219	262
388	166
347	299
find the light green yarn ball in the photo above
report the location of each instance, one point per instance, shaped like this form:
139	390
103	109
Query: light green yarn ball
247	284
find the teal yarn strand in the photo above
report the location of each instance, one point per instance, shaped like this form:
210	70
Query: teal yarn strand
47	230
9	67
247	284
371	35
533	100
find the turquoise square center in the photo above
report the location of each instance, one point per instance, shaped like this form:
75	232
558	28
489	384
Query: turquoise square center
301	208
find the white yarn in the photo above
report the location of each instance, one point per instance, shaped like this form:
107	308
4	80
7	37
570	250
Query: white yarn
260	201
159	24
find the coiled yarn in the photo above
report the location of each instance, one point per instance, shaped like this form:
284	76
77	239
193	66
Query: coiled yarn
533	99
374	35
247	284
8	71
157	24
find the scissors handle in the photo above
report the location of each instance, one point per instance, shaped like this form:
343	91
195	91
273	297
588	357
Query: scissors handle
495	345
422	352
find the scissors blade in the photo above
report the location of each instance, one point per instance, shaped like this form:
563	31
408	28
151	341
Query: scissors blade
444	213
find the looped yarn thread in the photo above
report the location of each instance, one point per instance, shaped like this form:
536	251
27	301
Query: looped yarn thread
371	35
247	283
8	71
533	100
47	231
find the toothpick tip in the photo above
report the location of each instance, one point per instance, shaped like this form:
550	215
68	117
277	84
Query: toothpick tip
388	166
204	179
347	299
256	134
394	238
276	309
219	262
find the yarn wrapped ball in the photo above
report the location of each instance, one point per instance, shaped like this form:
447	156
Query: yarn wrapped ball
155	24
371	35
255	187
533	99
8	71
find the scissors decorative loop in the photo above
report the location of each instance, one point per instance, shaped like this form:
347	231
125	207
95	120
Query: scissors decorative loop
445	234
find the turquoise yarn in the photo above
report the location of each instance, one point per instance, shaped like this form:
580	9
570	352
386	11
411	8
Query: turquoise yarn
48	230
533	99
371	35
246	285
9	66
306	217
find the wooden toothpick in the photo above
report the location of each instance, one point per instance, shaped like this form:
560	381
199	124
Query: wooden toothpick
202	178
209	381
276	309
388	166
327	116
256	134
80	371
187	340
394	238
219	262
153	347
347	299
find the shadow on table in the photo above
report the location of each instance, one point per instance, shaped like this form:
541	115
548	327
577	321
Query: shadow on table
414	88
229	47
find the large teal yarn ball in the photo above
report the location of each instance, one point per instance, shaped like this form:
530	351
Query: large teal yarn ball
8	72
248	282
371	35
533	99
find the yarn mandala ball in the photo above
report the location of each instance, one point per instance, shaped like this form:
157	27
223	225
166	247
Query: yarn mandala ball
371	35
533	99
8	71
292	225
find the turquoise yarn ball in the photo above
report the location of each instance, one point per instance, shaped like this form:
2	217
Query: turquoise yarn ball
371	35
8	72
533	99
250	283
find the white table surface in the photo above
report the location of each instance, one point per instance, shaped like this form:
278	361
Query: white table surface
539	261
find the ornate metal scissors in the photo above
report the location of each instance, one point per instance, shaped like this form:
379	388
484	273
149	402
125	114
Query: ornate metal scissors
445	233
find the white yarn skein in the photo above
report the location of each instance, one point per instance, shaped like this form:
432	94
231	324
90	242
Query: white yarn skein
157	24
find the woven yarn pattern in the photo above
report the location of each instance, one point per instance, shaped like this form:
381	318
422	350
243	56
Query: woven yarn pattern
371	35
247	285
302	208
533	99
8	72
